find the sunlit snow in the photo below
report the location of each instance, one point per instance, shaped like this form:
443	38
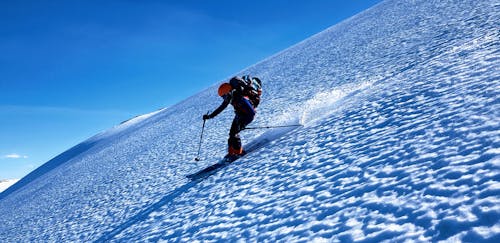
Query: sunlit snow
4	184
401	141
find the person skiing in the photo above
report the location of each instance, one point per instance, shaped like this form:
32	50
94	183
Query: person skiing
243	93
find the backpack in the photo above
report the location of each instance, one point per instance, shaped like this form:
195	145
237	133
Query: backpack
247	86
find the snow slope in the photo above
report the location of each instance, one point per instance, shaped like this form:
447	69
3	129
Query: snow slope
4	184
401	114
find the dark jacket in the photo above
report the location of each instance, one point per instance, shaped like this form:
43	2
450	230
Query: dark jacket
242	106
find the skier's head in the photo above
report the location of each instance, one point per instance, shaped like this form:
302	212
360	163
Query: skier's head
224	89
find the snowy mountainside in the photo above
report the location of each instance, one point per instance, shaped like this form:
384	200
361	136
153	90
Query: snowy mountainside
4	184
400	107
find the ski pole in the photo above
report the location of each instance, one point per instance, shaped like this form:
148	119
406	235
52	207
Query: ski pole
201	139
266	127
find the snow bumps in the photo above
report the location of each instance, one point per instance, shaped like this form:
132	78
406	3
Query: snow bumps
413	156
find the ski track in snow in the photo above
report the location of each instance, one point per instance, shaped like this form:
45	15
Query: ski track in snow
400	142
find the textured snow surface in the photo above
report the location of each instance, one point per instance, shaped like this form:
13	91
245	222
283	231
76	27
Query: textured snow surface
401	141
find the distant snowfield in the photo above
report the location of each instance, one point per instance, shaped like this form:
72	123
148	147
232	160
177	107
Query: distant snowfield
401	141
4	184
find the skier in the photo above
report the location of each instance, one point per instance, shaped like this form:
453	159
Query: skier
243	93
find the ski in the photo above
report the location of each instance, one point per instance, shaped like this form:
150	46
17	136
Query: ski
209	170
227	160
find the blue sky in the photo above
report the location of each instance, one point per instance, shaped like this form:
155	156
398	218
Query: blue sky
71	69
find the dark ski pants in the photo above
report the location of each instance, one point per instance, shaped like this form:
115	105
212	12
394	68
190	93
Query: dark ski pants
240	121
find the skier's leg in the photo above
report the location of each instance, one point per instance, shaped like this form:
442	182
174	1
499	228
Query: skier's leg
234	141
246	108
245	115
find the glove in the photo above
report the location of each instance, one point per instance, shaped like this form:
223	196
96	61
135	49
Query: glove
206	117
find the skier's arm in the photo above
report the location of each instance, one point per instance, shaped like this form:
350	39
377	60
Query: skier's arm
225	103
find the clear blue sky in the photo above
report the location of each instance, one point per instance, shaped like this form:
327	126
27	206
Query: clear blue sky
71	69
